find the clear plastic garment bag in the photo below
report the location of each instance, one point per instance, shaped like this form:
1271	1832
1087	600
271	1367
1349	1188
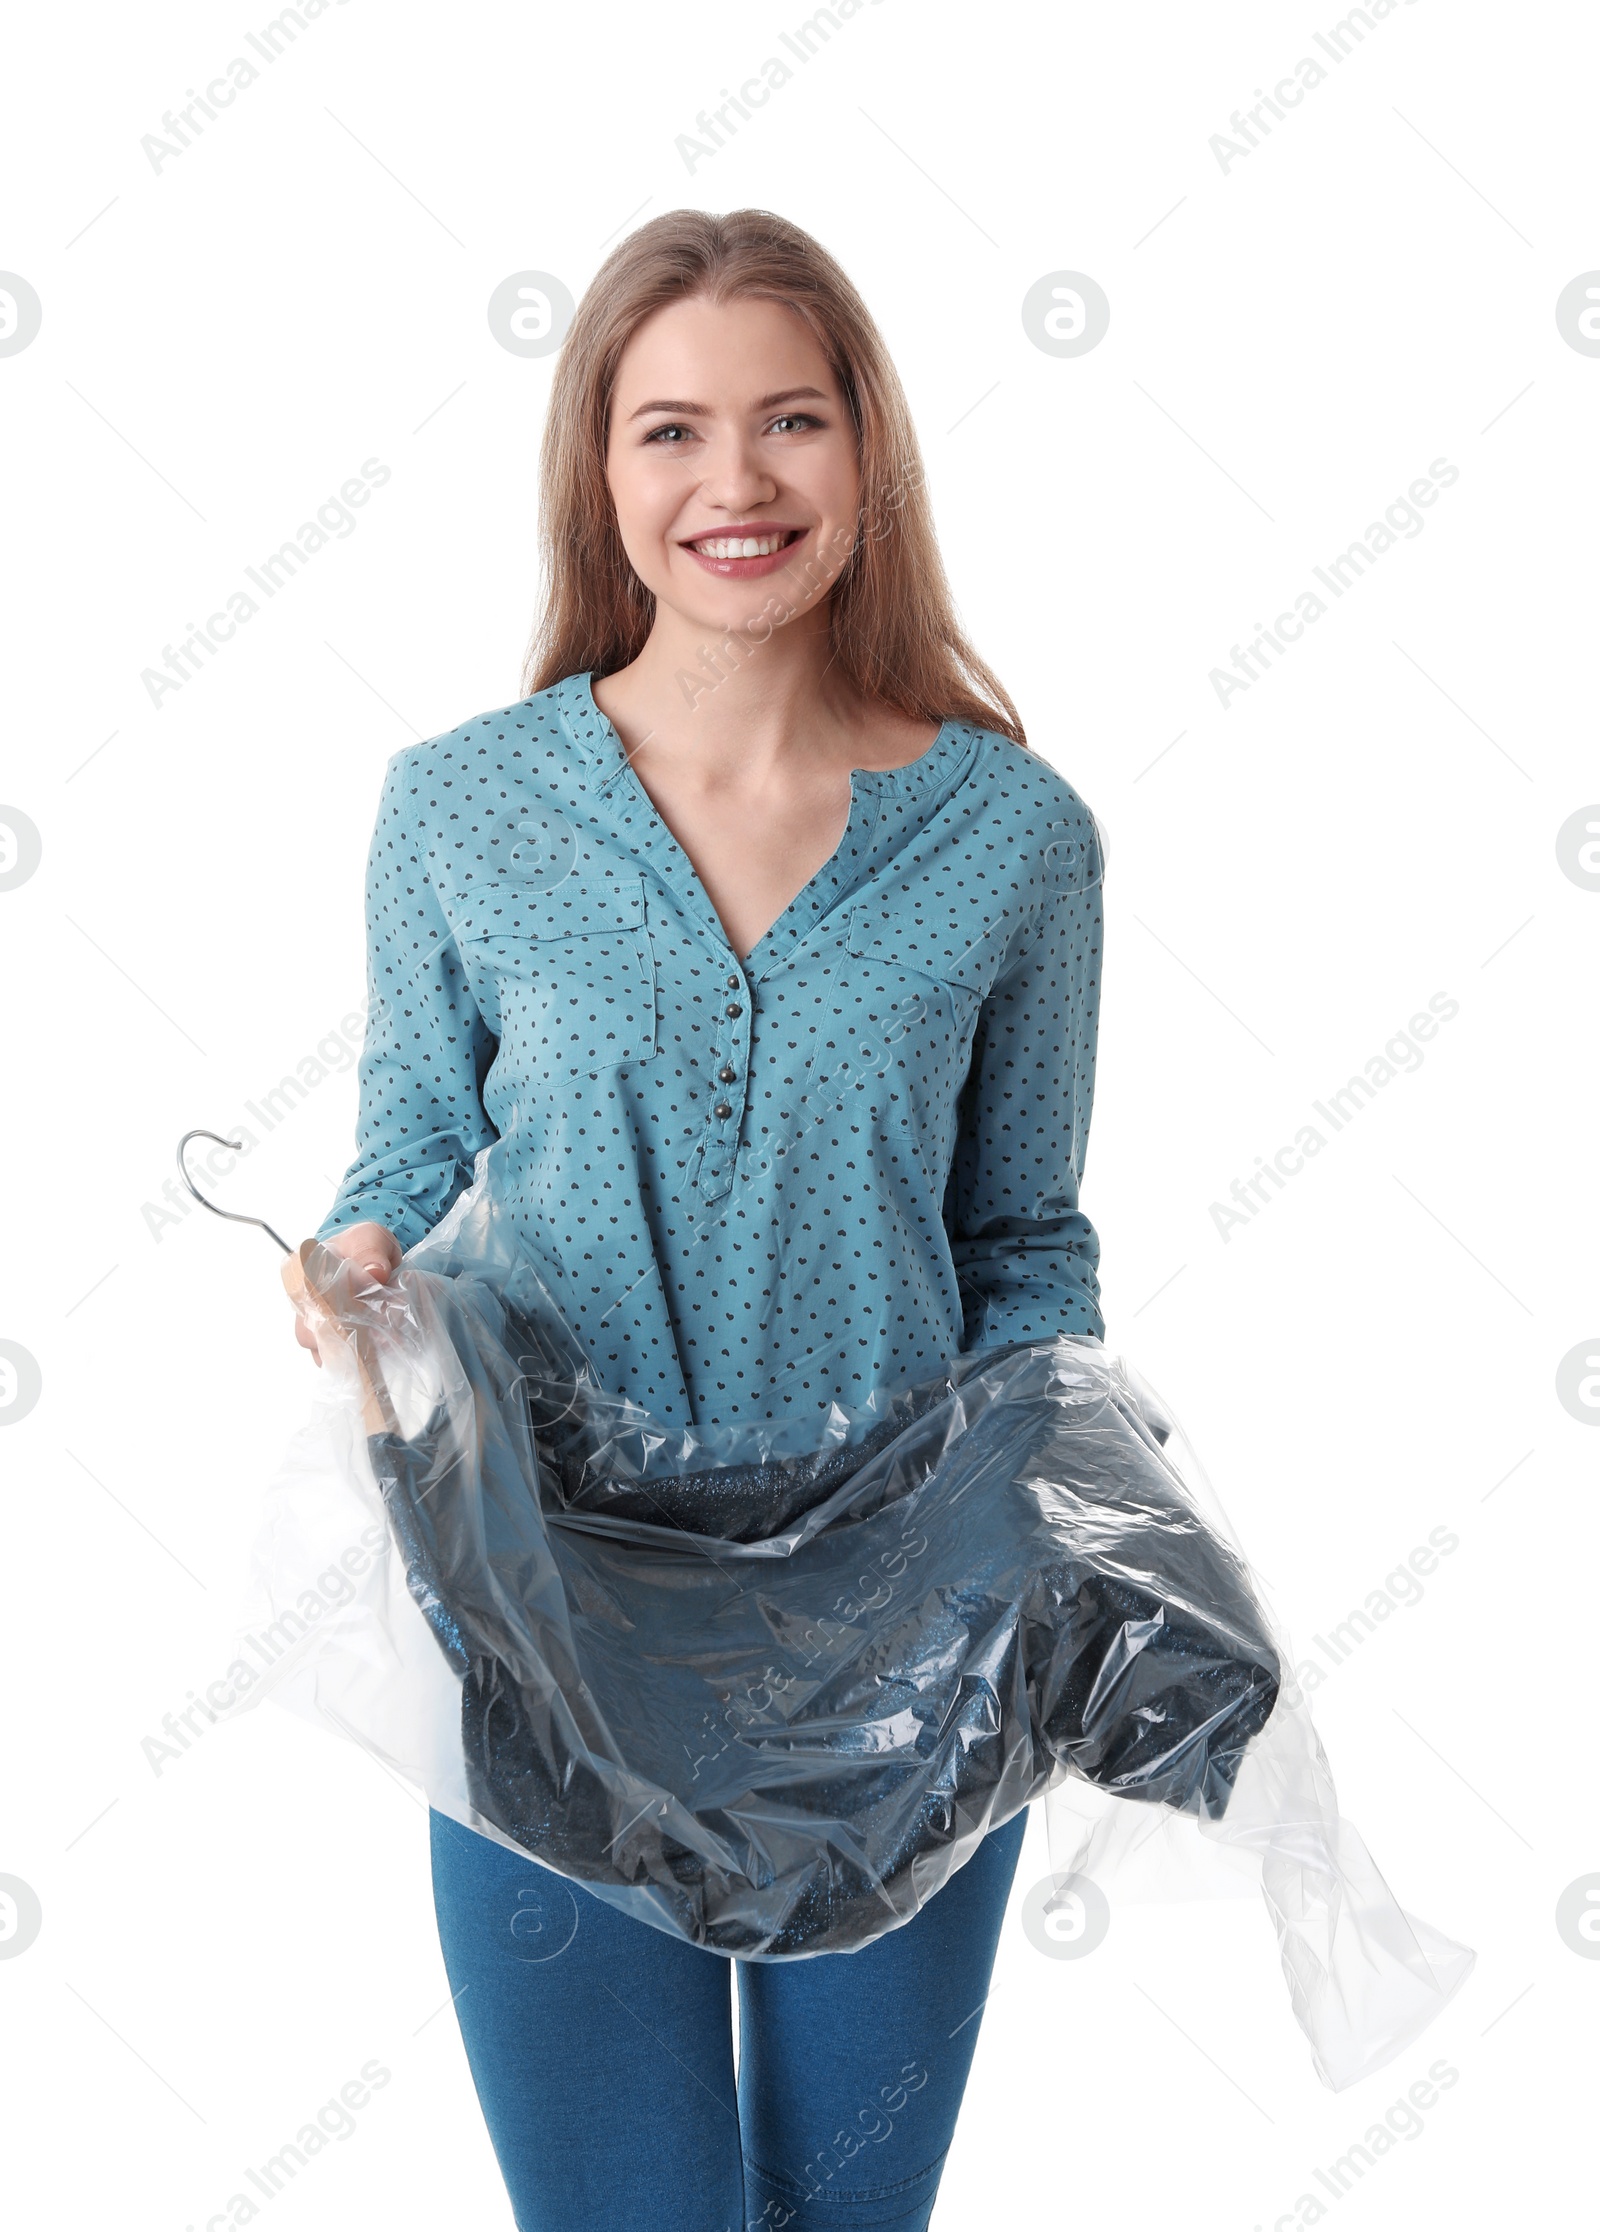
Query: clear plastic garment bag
767	1687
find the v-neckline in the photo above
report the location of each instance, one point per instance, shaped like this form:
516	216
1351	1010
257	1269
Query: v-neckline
865	806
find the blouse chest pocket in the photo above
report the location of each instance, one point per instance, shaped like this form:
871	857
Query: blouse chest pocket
903	1005
564	974
916	964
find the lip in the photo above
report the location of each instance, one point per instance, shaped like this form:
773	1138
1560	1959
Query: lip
748	569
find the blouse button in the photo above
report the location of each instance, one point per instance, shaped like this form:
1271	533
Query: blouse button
726	1074
733	984
722	1109
733	1011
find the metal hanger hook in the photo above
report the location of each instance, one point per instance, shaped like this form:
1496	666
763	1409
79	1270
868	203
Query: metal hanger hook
238	1147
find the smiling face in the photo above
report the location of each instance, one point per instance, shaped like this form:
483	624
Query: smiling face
731	460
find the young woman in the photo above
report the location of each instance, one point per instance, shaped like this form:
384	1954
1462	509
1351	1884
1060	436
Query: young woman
772	952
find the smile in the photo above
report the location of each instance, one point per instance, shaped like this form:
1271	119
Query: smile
740	555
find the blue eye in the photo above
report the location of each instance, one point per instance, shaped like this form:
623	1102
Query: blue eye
660	430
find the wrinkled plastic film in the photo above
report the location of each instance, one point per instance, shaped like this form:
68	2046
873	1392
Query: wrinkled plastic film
767	1686
1365	1977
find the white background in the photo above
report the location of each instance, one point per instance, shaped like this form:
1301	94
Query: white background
1374	1355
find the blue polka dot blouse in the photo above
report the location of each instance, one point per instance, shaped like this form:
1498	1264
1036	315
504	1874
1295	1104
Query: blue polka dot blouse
757	1187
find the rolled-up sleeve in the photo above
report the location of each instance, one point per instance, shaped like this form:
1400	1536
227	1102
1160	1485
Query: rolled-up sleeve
426	1049
1026	1256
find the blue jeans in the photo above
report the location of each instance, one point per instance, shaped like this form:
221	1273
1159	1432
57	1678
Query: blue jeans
602	2051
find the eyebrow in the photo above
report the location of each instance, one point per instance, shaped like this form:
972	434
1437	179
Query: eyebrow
703	410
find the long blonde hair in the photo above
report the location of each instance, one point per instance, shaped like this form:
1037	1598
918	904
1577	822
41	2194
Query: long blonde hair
894	631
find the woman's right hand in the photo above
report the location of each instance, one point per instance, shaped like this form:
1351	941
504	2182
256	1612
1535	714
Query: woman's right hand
373	1249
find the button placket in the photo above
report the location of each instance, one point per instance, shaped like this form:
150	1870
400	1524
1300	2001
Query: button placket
720	1147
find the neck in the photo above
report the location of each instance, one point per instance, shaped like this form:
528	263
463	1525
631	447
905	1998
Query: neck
731	700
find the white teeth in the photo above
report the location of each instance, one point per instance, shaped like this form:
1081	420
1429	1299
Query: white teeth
739	546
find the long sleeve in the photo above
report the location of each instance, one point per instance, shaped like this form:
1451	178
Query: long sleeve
1026	1257
426	1049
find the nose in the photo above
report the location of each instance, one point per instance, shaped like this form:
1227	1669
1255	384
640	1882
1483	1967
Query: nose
732	475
